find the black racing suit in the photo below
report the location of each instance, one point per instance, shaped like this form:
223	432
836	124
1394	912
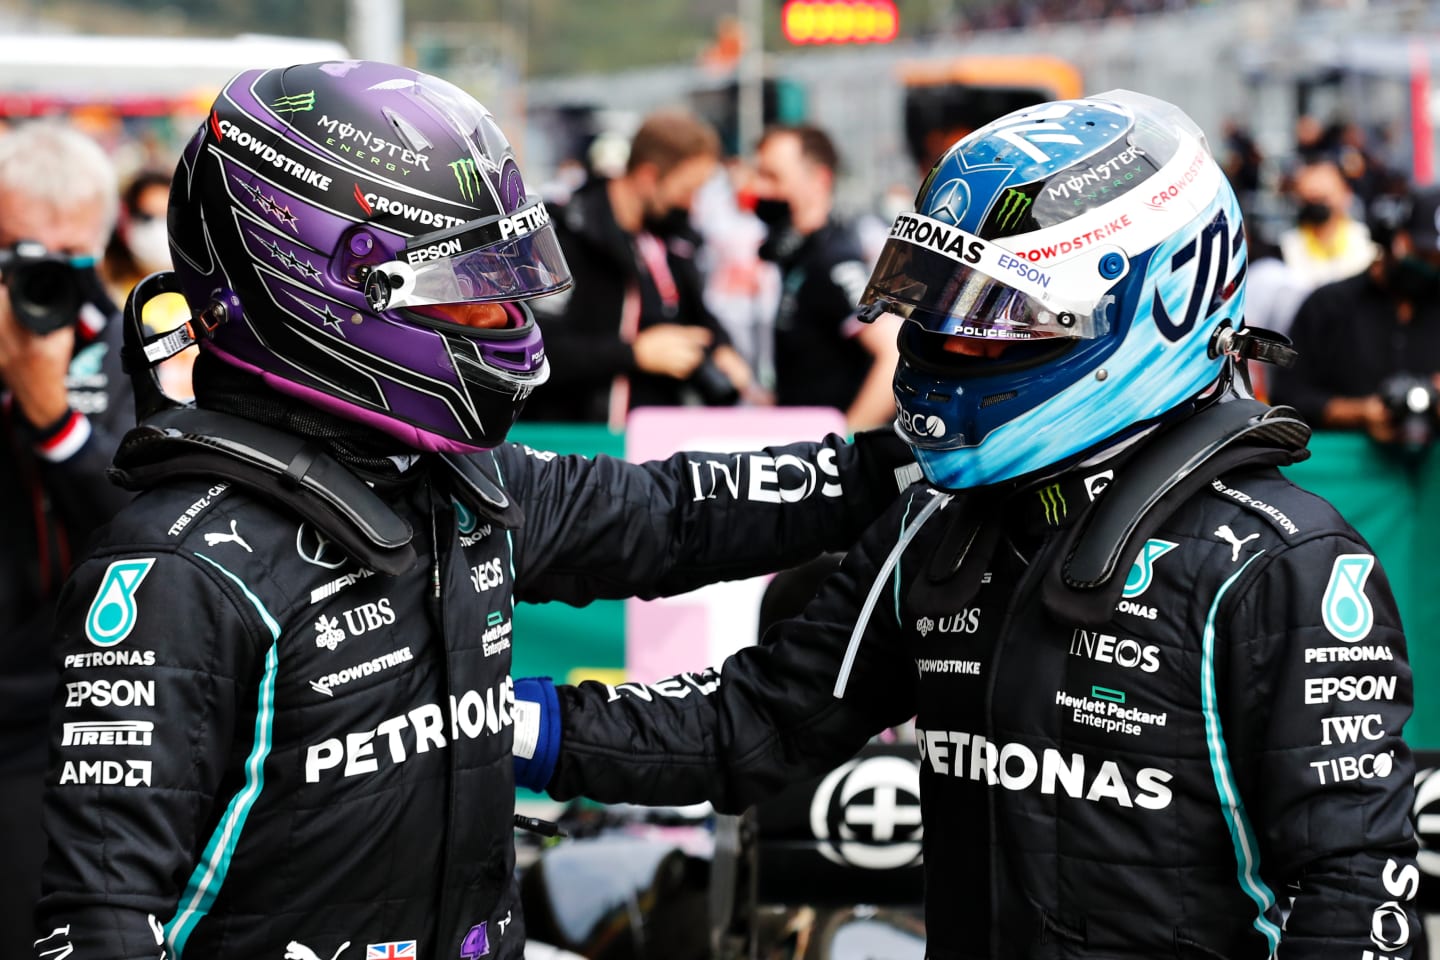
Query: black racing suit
261	750
818	359
1157	786
1331	315
585	336
53	496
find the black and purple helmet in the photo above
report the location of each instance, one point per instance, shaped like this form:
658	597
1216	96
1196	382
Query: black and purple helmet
330	207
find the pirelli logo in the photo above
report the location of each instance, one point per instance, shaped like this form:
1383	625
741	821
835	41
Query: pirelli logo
108	733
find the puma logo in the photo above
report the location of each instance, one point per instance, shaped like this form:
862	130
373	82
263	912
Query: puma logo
232	537
295	950
1228	535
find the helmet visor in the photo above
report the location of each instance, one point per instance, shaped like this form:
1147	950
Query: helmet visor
955	283
515	256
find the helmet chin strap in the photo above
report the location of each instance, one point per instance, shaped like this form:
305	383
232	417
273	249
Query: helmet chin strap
1253	343
141	352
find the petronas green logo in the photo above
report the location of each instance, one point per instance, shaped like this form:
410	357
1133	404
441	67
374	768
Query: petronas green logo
298	103
112	613
468	177
1056	509
464	519
1346	611
1143	570
1013	206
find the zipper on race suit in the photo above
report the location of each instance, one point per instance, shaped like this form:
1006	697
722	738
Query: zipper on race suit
435	553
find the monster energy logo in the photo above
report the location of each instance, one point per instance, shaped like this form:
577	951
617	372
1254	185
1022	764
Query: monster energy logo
297	103
1012	209
468	177
1054	503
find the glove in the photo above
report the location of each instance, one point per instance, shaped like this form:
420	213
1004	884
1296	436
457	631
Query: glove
537	732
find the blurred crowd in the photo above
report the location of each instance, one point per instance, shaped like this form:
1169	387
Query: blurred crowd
1028	14
741	263
1018	14
1345	261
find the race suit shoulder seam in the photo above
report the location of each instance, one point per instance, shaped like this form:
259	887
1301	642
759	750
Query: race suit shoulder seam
1242	590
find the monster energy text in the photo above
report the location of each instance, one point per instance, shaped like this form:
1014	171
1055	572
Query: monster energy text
1120	169
369	146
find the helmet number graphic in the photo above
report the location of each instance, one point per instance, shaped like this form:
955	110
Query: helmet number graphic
1213	248
1030	128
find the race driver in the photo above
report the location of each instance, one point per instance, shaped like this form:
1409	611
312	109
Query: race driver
1159	690
285	716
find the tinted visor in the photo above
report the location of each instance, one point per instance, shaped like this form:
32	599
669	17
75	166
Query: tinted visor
515	256
953	283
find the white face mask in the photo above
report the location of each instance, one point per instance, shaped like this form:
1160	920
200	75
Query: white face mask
149	243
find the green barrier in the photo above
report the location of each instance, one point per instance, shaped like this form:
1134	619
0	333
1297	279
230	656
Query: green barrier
1396	508
555	640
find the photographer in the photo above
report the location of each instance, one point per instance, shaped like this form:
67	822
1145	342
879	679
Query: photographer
634	330
1367	343
63	405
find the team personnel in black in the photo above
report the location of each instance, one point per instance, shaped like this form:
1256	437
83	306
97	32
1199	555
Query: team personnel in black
63	404
285	720
823	355
634	329
1159	690
1384	321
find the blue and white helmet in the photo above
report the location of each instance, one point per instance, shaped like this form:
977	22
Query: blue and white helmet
1101	244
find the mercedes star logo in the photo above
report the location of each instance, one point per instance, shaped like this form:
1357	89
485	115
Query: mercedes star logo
316	548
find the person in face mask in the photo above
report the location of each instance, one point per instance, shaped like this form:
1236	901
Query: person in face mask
634	329
1325	244
138	247
823	355
1366	340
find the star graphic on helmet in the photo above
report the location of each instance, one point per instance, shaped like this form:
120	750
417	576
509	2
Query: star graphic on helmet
269	204
283	214
327	317
289	260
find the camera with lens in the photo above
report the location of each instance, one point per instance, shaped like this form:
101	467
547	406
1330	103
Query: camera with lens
46	289
1412	403
713	386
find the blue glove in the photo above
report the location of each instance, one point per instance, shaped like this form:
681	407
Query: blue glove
537	732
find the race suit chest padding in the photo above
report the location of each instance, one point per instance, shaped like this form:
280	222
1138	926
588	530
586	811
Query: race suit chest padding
1088	582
